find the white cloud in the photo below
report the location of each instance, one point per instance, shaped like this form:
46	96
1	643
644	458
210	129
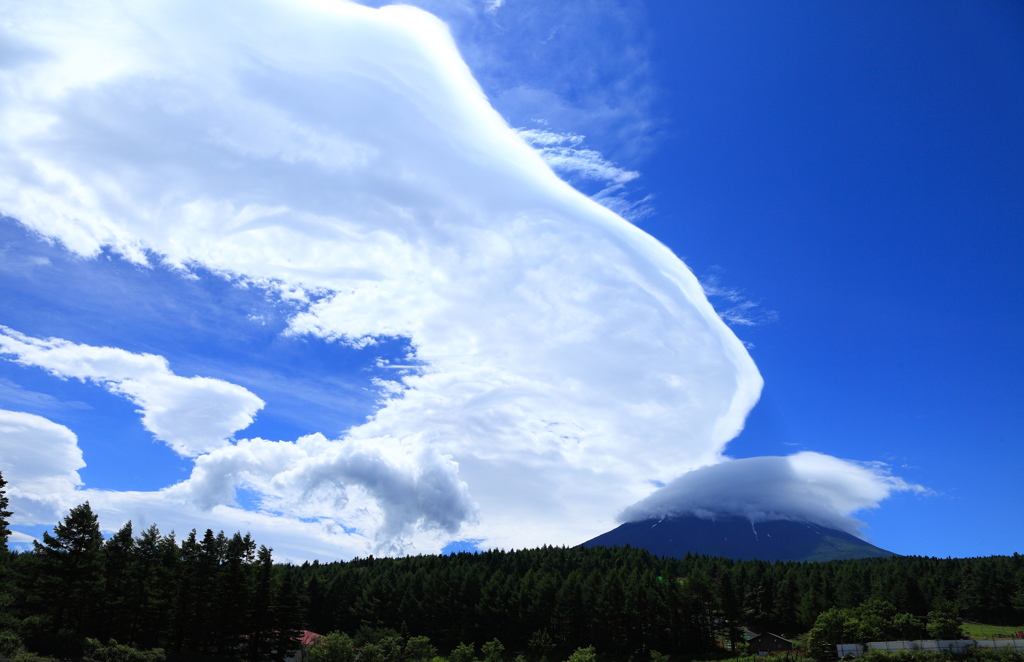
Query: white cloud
291	539
405	482
806	486
565	153
19	538
315	146
191	414
40	460
734	306
324	497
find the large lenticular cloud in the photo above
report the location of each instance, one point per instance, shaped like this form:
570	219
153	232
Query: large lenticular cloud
309	146
807	487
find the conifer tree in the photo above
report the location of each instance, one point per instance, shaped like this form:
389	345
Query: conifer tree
10	643
260	641
71	581
154	585
5	515
288	620
119	568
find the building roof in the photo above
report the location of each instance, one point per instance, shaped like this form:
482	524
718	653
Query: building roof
307	637
769	634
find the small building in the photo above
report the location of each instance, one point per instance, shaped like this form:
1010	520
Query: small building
306	639
766	643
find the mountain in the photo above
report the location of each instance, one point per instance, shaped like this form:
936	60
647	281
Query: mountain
739	539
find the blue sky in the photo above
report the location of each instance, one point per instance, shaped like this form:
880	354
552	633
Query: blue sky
857	168
289	270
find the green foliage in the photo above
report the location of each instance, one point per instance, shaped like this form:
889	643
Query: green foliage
583	655
28	656
214	595
829	629
10	643
944	622
493	651
783	657
907	627
332	647
385	649
985	631
94	651
419	649
874	620
5	515
541	643
71	581
463	653
970	655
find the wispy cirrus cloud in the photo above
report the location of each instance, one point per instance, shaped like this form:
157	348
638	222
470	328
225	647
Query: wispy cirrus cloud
567	155
734	306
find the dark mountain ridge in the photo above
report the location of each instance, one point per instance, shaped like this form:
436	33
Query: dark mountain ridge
740	539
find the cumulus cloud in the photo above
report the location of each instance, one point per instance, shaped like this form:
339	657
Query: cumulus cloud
191	414
338	496
40	460
381	487
316	497
807	486
345	157
406	482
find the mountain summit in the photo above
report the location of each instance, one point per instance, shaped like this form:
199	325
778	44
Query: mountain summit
738	538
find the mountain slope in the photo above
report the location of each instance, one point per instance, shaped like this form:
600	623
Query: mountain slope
738	539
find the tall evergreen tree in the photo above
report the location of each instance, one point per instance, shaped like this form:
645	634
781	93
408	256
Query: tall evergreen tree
260	638
10	642
119	569
287	619
71	581
5	516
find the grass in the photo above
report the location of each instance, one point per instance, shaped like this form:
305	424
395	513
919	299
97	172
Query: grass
982	631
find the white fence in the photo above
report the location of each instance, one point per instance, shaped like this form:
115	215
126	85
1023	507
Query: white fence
927	645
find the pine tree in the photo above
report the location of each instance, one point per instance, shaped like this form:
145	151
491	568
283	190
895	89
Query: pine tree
260	641
5	515
71	579
288	620
155	584
119	569
10	642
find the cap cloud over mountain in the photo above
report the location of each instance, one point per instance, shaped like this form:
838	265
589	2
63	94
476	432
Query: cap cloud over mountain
804	487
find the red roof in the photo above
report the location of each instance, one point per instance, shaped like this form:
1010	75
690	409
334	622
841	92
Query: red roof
308	637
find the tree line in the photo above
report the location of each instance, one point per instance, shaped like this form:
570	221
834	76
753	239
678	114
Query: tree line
214	596
552	600
77	595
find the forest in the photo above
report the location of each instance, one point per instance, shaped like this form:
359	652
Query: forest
141	596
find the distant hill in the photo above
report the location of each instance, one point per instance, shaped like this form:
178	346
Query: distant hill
738	539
